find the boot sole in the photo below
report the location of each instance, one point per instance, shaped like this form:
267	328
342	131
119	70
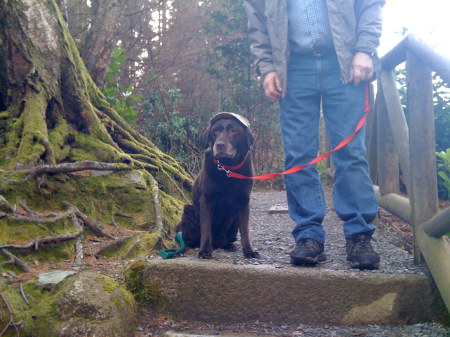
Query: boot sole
364	266
308	260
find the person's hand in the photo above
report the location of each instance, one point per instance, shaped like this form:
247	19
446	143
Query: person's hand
362	68
272	86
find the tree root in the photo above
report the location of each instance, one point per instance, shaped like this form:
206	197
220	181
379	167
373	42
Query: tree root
90	223
78	166
19	218
116	243
131	249
39	241
15	260
78	243
11	318
5	205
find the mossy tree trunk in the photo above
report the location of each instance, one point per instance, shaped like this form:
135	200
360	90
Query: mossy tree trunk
54	121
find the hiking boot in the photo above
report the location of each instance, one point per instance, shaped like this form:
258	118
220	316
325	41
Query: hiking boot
307	252
360	253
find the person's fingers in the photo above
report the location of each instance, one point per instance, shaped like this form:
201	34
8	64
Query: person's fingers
357	76
361	69
278	84
272	86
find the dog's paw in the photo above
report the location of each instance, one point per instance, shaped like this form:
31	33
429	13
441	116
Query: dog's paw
204	254
251	254
231	247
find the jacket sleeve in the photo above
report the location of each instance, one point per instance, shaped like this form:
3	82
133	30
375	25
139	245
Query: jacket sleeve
369	24
258	34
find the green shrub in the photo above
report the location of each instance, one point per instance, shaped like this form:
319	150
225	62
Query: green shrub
443	168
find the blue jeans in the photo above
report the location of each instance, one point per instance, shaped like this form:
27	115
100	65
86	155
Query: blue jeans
312	81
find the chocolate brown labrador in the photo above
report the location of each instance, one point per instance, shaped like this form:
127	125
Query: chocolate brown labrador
221	204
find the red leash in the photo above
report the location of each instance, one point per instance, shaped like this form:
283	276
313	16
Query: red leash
316	160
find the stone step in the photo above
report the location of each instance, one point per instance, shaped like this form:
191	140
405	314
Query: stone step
211	291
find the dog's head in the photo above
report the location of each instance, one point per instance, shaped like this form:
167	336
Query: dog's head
228	135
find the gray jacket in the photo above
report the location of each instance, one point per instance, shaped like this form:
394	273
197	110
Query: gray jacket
355	25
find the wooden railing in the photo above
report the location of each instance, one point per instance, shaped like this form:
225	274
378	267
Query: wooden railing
397	150
392	143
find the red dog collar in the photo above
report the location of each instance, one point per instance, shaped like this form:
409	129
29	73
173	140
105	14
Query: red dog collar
221	166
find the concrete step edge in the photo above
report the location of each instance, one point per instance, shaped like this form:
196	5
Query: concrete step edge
211	291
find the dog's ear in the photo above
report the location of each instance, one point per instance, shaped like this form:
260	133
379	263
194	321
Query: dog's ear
250	137
206	136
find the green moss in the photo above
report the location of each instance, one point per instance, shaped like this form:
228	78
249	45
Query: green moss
148	294
117	302
10	135
34	135
109	285
88	147
128	297
58	139
40	317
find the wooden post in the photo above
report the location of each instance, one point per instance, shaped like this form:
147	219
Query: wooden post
423	194
371	142
397	122
388	178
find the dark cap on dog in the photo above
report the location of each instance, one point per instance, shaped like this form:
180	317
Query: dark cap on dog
230	115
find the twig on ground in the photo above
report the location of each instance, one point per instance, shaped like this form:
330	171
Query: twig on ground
124	215
15	260
23	293
114	222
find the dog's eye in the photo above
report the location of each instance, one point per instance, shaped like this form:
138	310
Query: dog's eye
217	129
231	129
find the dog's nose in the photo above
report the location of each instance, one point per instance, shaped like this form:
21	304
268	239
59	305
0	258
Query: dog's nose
220	146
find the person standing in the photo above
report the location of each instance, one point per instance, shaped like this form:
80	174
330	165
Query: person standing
317	54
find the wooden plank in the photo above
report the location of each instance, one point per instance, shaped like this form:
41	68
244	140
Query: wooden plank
423	194
395	56
436	62
398	123
388	177
439	224
437	255
395	204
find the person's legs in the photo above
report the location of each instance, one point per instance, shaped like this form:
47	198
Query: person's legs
353	194
299	120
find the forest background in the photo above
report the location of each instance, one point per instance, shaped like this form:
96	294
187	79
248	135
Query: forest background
167	66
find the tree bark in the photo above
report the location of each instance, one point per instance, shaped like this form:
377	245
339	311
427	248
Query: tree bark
101	39
54	120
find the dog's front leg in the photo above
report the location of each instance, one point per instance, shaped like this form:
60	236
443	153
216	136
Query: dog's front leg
245	235
205	230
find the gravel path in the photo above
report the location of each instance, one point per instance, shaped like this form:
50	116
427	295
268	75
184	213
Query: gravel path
271	236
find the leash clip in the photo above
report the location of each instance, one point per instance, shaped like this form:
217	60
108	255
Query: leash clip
221	168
